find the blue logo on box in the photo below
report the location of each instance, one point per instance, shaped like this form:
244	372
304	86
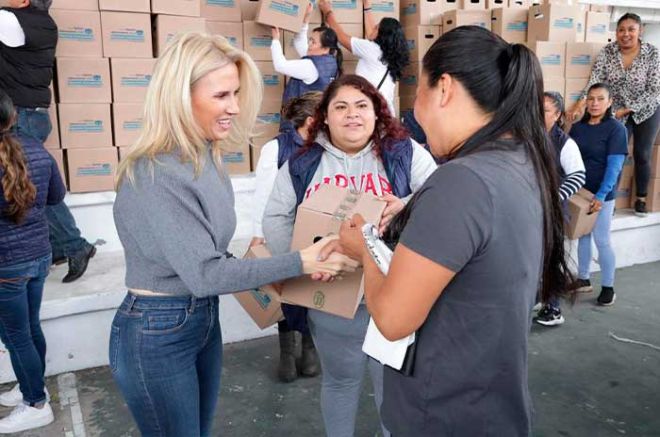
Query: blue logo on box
284	7
564	23
551	60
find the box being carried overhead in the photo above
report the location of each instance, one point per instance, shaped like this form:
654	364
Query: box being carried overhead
83	80
125	5
552	22
249	9
510	24
256	41
221	10
285	14
581	222
457	18
262	304
232	31
420	39
167	26
126	35
189	8
347	11
318	216
79	33
92	169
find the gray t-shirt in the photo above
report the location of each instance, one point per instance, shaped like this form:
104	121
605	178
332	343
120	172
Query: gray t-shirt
481	217
175	228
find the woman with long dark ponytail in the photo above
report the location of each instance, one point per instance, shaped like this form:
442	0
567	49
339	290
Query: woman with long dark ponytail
29	180
383	53
483	236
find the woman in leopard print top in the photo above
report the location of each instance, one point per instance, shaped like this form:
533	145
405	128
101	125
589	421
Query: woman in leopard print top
632	69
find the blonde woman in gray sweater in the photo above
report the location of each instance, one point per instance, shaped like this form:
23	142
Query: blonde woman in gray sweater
175	217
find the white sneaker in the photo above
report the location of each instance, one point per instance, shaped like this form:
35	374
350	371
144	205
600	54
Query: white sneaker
24	417
14	397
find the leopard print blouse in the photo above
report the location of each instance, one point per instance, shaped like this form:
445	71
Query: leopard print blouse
638	87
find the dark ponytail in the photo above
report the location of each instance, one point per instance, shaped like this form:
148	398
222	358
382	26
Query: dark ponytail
17	188
330	41
506	81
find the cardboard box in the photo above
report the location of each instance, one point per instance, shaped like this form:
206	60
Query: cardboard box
83	80
457	18
76	5
552	22
53	140
653	195
580	56
249	9
420	39
556	84
472	4
92	169
552	57
574	88
79	33
410	79
581	222
597	27
256	41
385	8
232	31
127	120
655	162
126	35
125	5
525	4
510	24
130	79
167	26
221	10
319	215
623	197
123	152
419	12
58	156
580	26
273	81
494	4
85	125
262	304
268	119
237	162
285	14
347	11
600	8
188	8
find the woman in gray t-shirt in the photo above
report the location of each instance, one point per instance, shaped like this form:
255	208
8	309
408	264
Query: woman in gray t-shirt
481	235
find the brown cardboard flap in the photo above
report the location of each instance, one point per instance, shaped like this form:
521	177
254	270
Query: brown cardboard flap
581	222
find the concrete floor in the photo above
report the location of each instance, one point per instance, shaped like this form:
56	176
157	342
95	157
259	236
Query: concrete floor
583	381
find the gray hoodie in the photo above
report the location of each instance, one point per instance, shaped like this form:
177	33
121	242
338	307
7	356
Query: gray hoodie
363	172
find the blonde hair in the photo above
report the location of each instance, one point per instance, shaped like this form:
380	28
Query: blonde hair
169	124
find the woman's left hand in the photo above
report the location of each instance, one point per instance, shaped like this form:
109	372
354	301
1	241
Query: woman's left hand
596	205
622	112
325	6
394	206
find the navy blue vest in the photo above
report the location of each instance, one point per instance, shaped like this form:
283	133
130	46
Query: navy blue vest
326	65
395	154
288	142
559	138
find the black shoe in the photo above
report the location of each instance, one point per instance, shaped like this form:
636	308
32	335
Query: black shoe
549	316
606	297
640	208
582	286
309	362
78	263
286	369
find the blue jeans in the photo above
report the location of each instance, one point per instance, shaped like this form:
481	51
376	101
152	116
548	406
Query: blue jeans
33	122
21	290
64	235
601	236
166	358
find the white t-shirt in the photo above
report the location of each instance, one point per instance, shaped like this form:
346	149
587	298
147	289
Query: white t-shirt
11	32
372	68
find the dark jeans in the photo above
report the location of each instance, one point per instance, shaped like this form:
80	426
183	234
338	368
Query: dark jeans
21	290
166	358
65	239
644	135
33	122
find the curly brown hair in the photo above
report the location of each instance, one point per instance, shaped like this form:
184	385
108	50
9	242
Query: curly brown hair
387	127
17	188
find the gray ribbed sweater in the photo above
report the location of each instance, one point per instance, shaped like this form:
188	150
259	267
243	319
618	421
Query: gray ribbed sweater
175	230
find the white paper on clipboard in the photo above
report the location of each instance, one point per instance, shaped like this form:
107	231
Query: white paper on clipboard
389	353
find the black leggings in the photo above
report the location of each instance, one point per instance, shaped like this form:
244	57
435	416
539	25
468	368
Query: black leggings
644	136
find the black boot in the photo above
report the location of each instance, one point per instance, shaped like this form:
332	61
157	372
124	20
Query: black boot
78	263
309	364
286	371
